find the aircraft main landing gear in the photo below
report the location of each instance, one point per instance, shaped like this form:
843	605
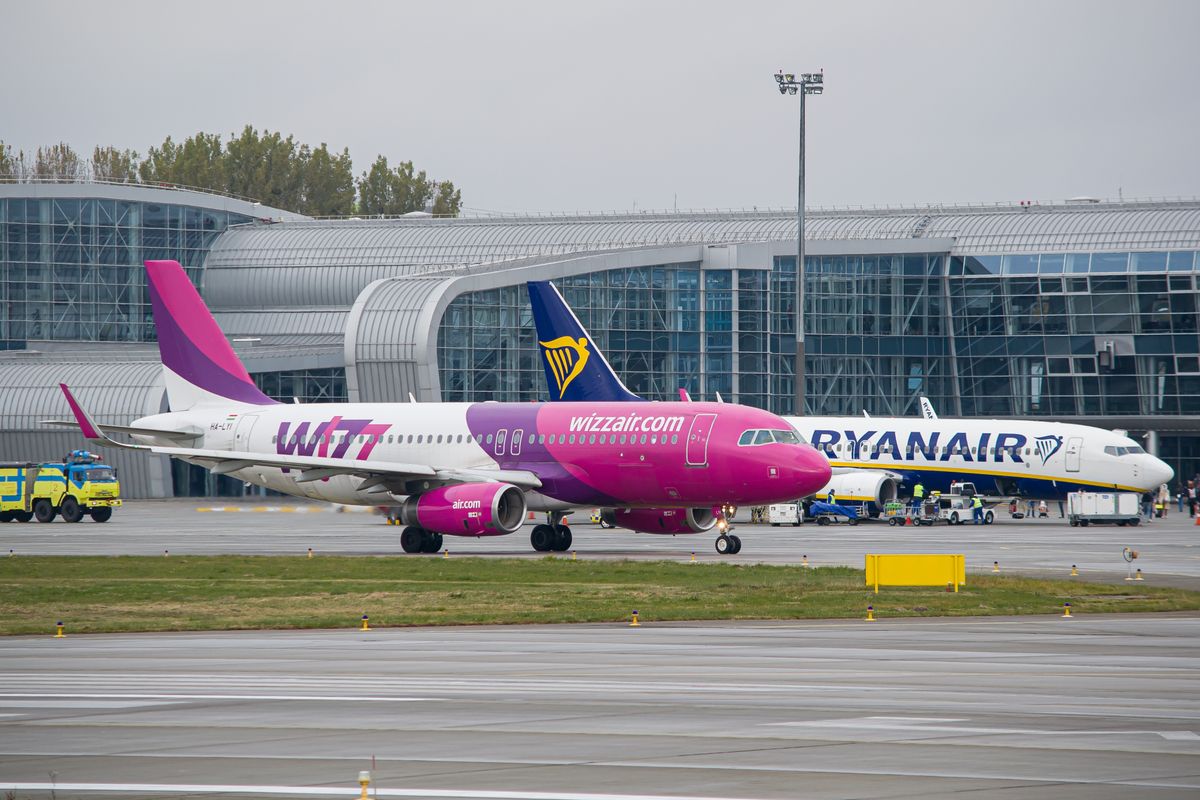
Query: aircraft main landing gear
419	540
553	537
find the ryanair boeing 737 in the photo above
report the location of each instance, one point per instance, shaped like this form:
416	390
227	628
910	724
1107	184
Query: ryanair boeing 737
875	458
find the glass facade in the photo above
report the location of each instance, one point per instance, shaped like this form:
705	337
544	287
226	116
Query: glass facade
71	269
306	385
1049	334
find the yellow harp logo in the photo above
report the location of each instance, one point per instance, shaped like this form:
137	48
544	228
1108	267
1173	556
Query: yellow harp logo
566	357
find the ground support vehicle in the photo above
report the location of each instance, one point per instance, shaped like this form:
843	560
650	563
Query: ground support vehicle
826	513
784	514
78	486
1120	508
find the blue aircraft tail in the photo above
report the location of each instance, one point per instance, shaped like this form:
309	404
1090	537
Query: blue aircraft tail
576	370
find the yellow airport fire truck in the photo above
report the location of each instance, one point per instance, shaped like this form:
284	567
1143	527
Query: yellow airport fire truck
79	485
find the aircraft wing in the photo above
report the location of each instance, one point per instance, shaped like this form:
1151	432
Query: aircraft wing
310	468
173	435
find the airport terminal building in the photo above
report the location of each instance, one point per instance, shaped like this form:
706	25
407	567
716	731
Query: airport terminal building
1082	311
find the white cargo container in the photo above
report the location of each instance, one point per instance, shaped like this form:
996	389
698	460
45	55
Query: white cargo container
784	514
1101	507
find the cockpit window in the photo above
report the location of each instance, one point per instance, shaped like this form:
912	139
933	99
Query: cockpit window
786	437
764	437
1124	451
747	438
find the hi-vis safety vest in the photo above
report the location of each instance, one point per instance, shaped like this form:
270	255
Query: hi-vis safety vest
919	491
977	503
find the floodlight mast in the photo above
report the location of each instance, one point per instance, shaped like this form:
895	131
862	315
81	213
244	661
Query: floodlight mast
809	83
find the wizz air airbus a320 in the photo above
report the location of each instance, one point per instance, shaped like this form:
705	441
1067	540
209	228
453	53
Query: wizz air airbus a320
459	469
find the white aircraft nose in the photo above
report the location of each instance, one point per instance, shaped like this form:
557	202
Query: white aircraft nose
1159	472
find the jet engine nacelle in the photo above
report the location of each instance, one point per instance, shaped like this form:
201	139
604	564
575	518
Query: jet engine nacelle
661	520
467	509
864	486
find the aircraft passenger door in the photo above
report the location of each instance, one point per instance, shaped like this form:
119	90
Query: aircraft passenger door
697	441
1074	446
241	436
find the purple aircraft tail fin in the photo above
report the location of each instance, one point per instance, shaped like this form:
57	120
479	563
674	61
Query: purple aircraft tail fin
199	366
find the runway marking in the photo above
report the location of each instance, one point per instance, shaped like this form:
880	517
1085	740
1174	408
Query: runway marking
329	791
920	724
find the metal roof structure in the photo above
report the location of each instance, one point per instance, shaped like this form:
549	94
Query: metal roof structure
375	246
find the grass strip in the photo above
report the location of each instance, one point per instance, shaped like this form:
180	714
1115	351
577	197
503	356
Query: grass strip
95	594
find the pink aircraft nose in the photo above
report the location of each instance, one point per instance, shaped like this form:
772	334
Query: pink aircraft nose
813	470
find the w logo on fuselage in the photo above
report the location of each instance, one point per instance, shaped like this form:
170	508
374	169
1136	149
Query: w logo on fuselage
1047	446
567	357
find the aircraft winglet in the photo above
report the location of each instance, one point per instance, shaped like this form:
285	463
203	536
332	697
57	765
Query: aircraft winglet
91	431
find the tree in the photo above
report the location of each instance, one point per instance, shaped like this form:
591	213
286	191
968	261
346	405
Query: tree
328	182
58	162
111	164
267	168
200	162
13	168
446	200
159	166
393	191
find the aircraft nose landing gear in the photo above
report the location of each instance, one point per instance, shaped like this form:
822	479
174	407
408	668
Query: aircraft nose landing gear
727	543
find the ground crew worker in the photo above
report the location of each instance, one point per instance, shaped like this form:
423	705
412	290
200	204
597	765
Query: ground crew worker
918	496
977	505
831	499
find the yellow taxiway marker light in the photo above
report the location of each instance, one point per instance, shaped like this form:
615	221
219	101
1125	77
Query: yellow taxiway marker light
635	623
310	554
166	553
366	625
1139	576
10	553
804	561
1066	610
870	613
446	553
364	780
995	566
1074	571
573	555
693	556
58	634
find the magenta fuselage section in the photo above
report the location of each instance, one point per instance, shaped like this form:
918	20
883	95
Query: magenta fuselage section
647	454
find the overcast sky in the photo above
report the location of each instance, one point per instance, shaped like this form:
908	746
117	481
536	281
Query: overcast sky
563	106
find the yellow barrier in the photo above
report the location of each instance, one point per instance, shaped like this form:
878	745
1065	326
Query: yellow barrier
915	570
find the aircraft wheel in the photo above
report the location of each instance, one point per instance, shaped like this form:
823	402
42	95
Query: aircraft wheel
43	511
543	538
724	544
737	544
101	514
562	538
411	539
71	512
430	542
23	516
988	517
